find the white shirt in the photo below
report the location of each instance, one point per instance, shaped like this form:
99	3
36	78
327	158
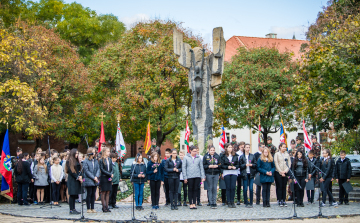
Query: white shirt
240	153
108	166
247	162
231	172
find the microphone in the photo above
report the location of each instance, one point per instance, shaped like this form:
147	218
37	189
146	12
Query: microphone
286	159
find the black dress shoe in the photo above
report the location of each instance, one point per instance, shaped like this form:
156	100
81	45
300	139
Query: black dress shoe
175	207
238	203
115	206
179	203
346	203
199	204
172	207
264	205
233	205
229	205
185	204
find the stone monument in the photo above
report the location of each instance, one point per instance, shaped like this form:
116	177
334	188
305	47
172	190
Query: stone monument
204	74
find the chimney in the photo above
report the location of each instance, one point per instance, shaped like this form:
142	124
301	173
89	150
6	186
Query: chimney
271	35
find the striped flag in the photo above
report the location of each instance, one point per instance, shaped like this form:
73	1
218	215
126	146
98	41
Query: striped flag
120	143
307	142
102	136
282	133
223	140
147	144
187	135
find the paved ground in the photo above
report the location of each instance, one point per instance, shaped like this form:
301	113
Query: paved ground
356	219
183	214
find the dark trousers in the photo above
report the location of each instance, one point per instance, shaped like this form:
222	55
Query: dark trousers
198	196
155	191
266	192
193	184
47	194
173	190
326	185
32	195
310	195
230	182
258	194
223	196
22	193
280	183
167	190
343	196
248	183
72	199
300	191
113	193
55	191
185	189
90	197
238	189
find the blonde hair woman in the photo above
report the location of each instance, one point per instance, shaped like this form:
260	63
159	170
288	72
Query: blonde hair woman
266	167
106	176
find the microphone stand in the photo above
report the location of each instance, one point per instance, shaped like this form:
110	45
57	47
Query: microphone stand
82	218
50	177
133	219
319	177
295	180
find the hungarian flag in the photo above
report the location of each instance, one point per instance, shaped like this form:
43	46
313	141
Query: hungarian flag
307	142
187	135
102	136
222	140
5	169
147	144
120	144
282	133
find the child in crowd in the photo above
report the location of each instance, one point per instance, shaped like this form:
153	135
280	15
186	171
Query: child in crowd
56	177
342	175
41	179
166	180
313	162
184	185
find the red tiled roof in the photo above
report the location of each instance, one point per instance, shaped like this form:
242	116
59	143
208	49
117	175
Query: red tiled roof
284	45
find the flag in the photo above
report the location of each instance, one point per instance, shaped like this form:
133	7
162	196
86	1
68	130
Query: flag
222	140
120	144
102	136
187	135
307	142
5	169
260	138
282	133
147	144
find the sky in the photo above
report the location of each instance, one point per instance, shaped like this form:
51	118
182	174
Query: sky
254	18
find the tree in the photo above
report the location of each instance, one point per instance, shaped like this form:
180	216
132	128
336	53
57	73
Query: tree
257	83
82	26
328	84
140	78
19	102
52	68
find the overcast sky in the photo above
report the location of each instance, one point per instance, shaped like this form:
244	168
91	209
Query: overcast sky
237	17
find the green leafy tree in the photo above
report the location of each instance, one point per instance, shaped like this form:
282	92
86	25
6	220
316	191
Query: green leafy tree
140	78
257	83
328	84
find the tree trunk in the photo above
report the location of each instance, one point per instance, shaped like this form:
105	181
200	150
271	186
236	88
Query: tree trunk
314	128
133	149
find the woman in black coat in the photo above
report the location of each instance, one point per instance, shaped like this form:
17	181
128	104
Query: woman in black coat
327	169
247	171
23	177
73	168
91	179
106	171
173	167
230	167
300	170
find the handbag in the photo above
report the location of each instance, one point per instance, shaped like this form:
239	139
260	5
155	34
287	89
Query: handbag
123	187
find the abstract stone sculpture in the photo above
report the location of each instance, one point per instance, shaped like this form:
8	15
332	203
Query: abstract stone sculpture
204	74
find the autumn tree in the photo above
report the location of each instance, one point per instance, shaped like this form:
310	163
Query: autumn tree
52	68
140	78
328	84
257	83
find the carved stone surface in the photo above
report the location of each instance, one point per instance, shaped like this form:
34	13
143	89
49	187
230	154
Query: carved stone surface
204	74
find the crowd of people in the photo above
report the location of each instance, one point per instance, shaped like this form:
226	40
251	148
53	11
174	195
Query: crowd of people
99	174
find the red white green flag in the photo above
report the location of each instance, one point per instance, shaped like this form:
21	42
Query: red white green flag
187	136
